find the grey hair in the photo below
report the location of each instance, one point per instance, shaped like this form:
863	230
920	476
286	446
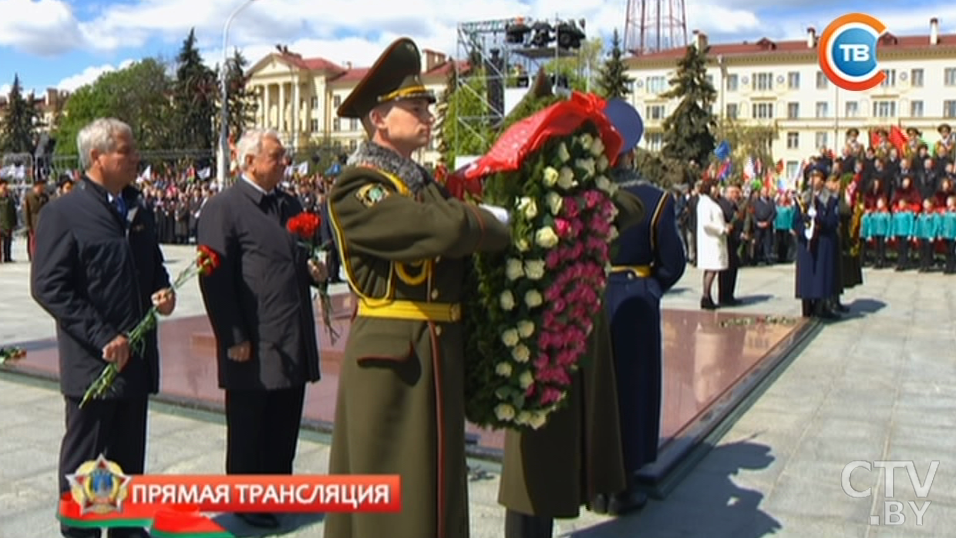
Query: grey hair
251	143
100	134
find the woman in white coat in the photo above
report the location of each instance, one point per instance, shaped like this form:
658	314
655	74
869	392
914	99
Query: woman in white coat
712	232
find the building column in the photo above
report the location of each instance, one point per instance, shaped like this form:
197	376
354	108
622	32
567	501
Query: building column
280	116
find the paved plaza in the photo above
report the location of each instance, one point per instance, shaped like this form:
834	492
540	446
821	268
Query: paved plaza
879	385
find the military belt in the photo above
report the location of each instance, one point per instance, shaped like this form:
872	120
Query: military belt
412	310
640	271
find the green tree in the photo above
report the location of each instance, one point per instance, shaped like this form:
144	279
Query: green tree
21	118
689	130
194	98
613	80
578	67
137	95
445	142
465	125
241	102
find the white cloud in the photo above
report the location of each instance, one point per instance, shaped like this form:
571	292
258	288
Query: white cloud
87	76
44	27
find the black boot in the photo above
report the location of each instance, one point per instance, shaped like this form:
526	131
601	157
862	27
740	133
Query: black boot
708	304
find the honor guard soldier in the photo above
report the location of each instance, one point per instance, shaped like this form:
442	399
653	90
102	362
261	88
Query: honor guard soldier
404	245
816	223
649	260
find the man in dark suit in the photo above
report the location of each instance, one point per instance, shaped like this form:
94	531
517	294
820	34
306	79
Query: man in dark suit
734	214
260	307
649	260
96	269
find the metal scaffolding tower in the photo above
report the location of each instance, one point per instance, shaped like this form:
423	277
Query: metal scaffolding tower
506	53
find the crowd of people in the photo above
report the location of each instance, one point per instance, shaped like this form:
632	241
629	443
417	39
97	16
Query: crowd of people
896	194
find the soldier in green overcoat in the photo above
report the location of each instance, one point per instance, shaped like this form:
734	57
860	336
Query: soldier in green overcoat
404	245
577	456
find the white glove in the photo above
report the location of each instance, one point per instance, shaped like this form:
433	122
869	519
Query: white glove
812	212
500	213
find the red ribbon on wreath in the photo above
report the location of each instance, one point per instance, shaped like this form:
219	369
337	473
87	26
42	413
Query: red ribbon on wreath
528	135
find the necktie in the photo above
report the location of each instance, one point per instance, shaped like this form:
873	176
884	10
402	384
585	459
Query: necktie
120	204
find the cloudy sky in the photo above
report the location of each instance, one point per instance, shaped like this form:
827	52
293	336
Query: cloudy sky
68	43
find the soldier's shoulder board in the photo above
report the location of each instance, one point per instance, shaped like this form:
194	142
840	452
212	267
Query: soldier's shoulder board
372	194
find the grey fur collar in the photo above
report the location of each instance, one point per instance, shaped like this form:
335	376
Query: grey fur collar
372	155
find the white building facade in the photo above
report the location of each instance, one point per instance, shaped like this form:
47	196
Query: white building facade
780	85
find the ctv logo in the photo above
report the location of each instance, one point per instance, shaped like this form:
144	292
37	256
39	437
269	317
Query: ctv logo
894	511
847	52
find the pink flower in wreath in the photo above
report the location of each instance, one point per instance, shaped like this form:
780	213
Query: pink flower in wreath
593	199
551	395
577	250
563	227
553	259
558	306
542	363
570	206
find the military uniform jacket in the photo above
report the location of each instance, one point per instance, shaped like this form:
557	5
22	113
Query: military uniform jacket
400	410
94	273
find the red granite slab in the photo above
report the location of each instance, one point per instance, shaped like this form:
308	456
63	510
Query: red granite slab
703	358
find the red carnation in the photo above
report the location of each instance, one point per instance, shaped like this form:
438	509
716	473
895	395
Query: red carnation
304	225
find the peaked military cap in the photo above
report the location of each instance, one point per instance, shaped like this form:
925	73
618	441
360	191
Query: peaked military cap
395	76
853	132
944	127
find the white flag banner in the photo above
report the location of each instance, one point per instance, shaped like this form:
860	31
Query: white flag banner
21	172
303	168
205	173
147	174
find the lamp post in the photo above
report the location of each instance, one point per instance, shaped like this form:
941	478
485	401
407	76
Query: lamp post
222	170
294	131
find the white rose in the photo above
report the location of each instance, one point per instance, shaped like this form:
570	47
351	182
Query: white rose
586	141
514	269
523	417
510	338
521	353
503	369
526	379
534	269
507	300
587	165
531	210
597	147
602	163
533	299
566	178
537	420
525	328
504	412
563	154
546	238
551	175
555	202
612	234
603	183
522	245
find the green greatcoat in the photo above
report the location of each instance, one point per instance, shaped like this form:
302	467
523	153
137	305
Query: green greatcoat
552	471
400	407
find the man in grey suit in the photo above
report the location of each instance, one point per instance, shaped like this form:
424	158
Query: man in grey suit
260	307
